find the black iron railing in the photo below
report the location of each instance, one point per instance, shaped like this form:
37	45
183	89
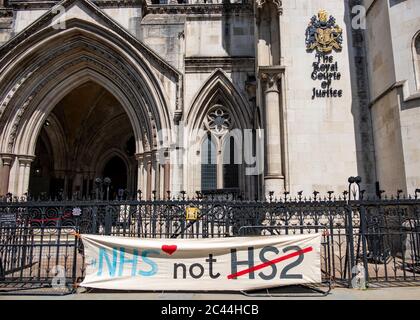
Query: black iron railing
381	236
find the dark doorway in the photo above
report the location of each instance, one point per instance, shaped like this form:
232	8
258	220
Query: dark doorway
116	170
40	182
87	123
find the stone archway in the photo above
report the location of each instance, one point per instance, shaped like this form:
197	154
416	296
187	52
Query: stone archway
38	79
86	128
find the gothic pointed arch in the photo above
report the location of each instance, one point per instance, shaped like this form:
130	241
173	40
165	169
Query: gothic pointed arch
102	159
92	148
218	90
218	111
41	64
416	58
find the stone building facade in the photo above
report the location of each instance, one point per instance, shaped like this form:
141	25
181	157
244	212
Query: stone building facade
250	96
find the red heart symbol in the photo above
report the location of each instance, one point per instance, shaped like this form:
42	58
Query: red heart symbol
169	249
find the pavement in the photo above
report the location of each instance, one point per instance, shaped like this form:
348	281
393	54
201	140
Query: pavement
393	293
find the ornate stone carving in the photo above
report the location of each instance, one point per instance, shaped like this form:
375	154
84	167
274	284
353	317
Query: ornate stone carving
218	120
5	13
46	4
21	37
7	159
277	3
46	60
200	8
209	64
270	81
25	160
323	34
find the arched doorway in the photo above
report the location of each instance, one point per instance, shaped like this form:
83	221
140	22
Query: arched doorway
58	63
84	126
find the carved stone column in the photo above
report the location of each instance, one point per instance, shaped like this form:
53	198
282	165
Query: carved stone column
7	160
156	174
167	178
149	173
140	173
176	163
24	173
274	176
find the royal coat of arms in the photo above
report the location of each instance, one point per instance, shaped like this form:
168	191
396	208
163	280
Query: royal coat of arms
323	34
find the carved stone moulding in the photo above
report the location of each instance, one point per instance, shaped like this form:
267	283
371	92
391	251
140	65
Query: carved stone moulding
119	3
270	77
7	158
6	18
277	3
55	74
198	8
209	64
24	4
6	13
218	120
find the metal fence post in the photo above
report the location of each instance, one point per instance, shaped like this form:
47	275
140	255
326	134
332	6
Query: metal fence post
74	269
363	230
28	228
350	242
94	220
2	273
108	220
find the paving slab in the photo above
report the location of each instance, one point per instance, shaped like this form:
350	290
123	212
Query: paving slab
395	293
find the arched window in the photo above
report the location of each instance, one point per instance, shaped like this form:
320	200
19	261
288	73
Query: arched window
230	167
416	52
221	151
208	164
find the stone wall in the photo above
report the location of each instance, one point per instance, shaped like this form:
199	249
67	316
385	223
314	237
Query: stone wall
326	140
164	33
322	151
6	25
395	99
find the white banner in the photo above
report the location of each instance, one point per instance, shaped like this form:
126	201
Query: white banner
221	264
